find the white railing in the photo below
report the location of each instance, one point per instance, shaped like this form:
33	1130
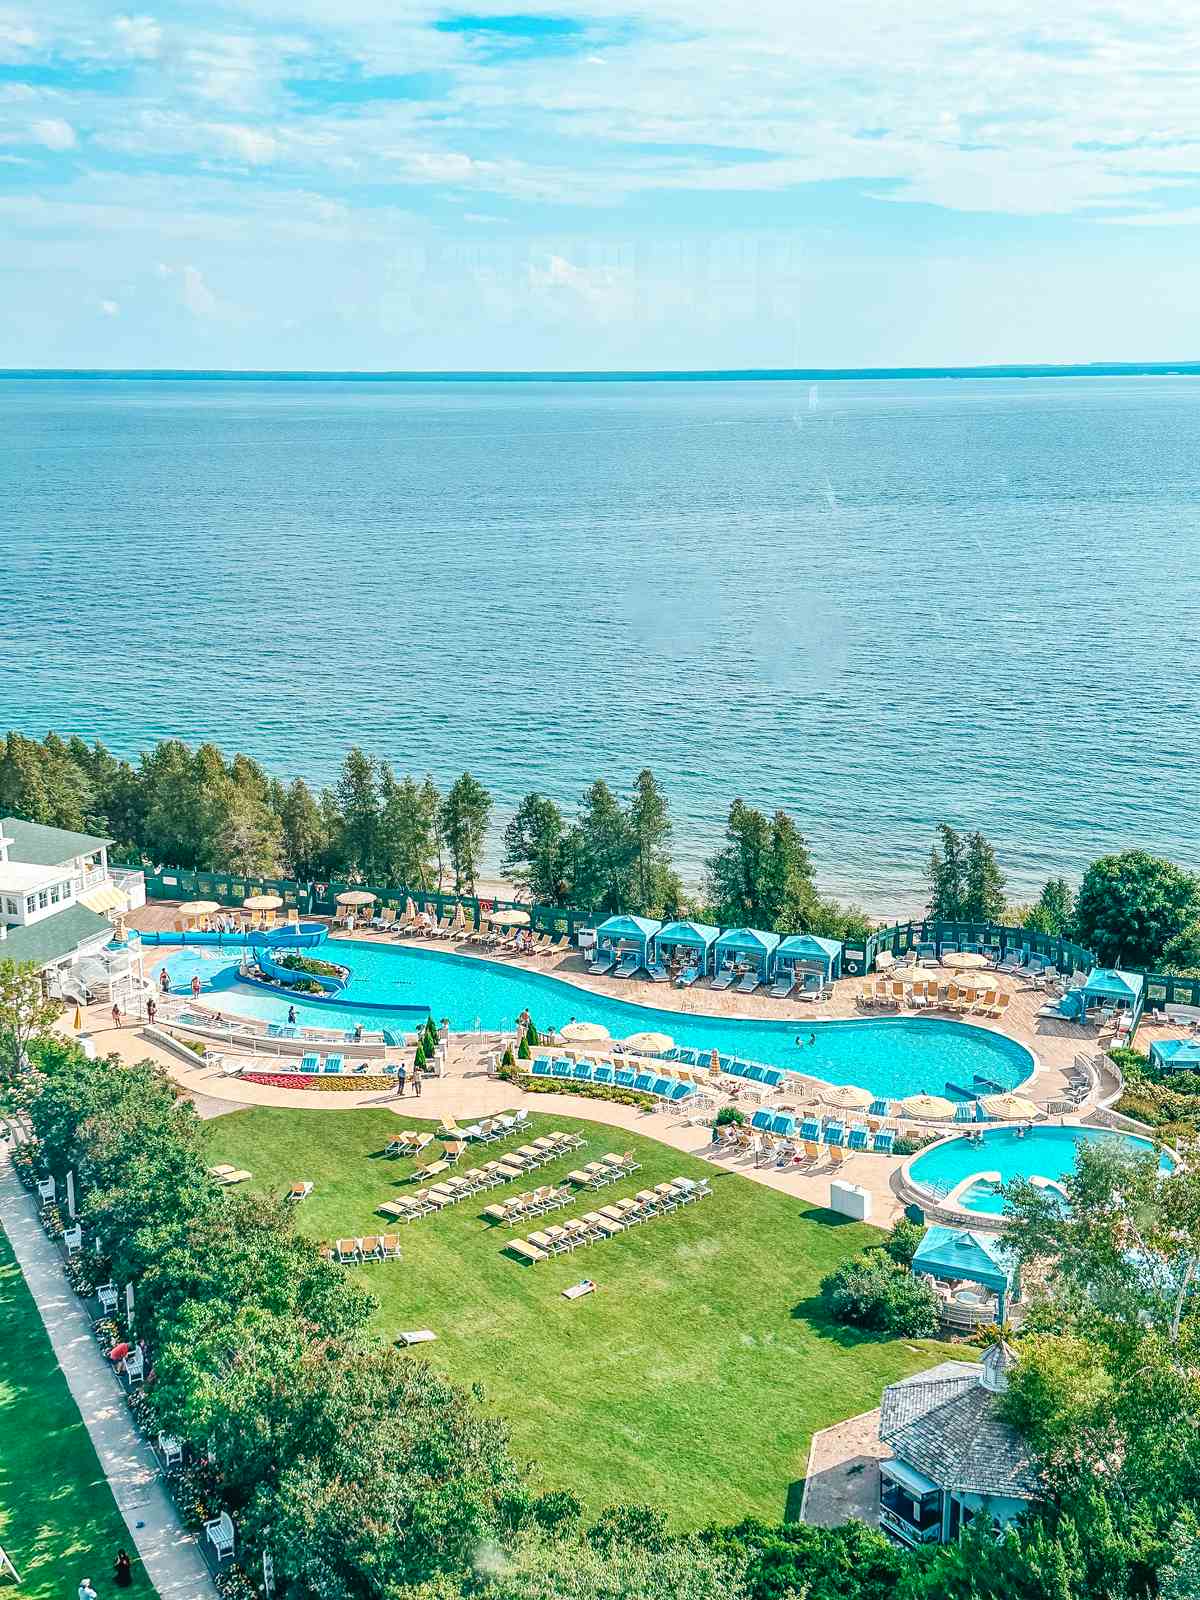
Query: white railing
905	1530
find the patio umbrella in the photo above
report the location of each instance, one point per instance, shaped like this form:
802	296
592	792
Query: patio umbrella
356	897
975	980
263	902
1014	1106
460	915
927	1106
77	1024
884	960
650	1043
512	919
846	1096
198	908
584	1033
917	975
963	960
410	910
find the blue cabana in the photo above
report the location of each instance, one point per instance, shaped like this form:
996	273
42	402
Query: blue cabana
627	936
689	942
810	954
952	1253
1175	1053
749	947
1106	986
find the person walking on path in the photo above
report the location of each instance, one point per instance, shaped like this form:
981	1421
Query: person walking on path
417	1075
116	1015
400	1077
151	1009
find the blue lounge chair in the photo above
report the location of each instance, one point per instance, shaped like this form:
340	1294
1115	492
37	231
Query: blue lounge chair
542	1068
687	977
755	1074
783	1124
628	966
835	1132
603	965
658	973
882	1142
810	1128
723	978
762	1121
749	983
602	1075
311	1062
964	1111
334	1063
562	1069
858	1136
927	950
783	986
624	1078
644	1082
663	1086
772	1077
583	1071
681	1091
879	1108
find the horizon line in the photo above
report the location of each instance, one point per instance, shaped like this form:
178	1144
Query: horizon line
1032	369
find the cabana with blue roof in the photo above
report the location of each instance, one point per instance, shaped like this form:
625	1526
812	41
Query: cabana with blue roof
685	947
1108	987
748	948
1175	1054
804	954
950	1254
624	942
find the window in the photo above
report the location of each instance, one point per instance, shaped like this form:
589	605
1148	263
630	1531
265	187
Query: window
11	906
30	904
43	899
54	888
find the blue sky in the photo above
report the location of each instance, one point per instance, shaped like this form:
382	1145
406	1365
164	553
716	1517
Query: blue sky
685	183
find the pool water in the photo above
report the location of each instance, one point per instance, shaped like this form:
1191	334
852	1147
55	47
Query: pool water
891	1057
1040	1153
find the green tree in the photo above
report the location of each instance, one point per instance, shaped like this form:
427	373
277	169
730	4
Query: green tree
1131	906
303	836
570	1568
25	1012
1053	911
251	838
23	791
762	876
407	844
465	814
1058	1394
358	801
849	1562
655	888
948	876
534	849
871	1291
602	852
431	804
983	889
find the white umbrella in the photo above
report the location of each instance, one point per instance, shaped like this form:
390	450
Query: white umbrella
650	1043
263	902
1008	1106
584	1033
927	1106
356	897
916	975
410	910
846	1096
198	908
511	919
962	960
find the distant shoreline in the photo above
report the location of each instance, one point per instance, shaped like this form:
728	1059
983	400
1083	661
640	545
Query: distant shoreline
1095	369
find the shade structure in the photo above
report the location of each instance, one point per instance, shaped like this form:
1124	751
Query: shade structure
883	960
809	951
846	1096
1109	986
917	975
931	1107
1013	1107
749	945
963	960
953	1253
356	897
263	902
1175	1053
584	1033
510	919
650	1043
199	908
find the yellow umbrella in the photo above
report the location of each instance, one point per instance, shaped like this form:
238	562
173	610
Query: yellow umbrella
962	960
1010	1106
846	1096
198	908
512	919
916	975
884	960
584	1033
77	1024
650	1043
263	902
928	1106
356	897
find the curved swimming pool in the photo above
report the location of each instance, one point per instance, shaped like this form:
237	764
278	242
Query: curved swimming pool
890	1056
1042	1152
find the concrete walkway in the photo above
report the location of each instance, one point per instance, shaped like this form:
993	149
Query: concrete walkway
170	1556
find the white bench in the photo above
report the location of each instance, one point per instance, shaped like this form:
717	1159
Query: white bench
172	1450
219	1533
107	1294
73	1239
46	1190
135	1367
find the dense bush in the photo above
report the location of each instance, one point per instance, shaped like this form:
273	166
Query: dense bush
586	1091
872	1292
902	1242
323	969
730	1114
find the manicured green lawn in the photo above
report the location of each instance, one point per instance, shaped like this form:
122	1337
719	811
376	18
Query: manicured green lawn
695	1376
58	1520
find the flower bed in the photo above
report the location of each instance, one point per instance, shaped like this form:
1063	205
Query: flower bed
324	1081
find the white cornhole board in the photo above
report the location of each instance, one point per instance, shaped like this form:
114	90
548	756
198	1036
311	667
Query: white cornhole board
577	1290
848	1200
417	1336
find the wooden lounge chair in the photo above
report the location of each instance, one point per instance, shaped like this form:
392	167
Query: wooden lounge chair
300	1190
371	1247
527	1252
603	1225
348	1250
389	1246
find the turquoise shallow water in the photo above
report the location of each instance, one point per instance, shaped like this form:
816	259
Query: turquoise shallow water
1042	1153
877	604
890	1057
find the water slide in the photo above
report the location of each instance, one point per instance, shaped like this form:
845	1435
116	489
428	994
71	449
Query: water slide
305	936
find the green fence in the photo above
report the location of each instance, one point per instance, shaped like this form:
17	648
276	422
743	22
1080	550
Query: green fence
903	936
320	899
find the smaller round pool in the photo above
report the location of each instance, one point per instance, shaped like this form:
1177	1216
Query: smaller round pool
1003	1154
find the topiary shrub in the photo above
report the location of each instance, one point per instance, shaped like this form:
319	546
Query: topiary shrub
507	1059
531	1035
419	1058
523	1049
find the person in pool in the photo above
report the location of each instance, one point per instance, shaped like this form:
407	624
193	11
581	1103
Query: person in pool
801	1041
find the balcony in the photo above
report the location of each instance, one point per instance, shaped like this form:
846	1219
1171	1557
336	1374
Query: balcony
901	1528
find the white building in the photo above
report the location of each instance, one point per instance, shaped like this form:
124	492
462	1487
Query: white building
58	899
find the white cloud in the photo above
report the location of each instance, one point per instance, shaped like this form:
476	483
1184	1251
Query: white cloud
110	308
254	145
140	37
604	291
54	133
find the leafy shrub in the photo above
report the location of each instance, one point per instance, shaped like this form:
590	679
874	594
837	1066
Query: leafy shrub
730	1114
909	1143
901	1244
523	1050
871	1292
324	969
507	1059
531	1035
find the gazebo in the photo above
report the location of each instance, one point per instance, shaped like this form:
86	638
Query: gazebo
749	946
1111	988
624	936
1175	1054
949	1254
805	952
686	942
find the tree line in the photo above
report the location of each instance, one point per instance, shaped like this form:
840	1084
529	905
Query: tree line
198	809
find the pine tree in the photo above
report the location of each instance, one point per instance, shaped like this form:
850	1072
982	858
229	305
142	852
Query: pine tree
358	798
465	814
655	886
533	848
983	896
947	876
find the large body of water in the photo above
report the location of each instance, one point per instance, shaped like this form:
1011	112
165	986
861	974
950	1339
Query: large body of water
877	604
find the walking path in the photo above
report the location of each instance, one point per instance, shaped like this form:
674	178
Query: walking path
171	1557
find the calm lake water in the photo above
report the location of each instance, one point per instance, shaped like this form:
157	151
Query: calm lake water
877	604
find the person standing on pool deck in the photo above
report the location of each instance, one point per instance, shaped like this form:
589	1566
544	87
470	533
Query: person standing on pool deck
417	1081
401	1074
291	1016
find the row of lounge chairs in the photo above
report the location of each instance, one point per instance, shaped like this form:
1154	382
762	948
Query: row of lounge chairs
608	1221
896	994
371	1247
815	1129
664	1085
